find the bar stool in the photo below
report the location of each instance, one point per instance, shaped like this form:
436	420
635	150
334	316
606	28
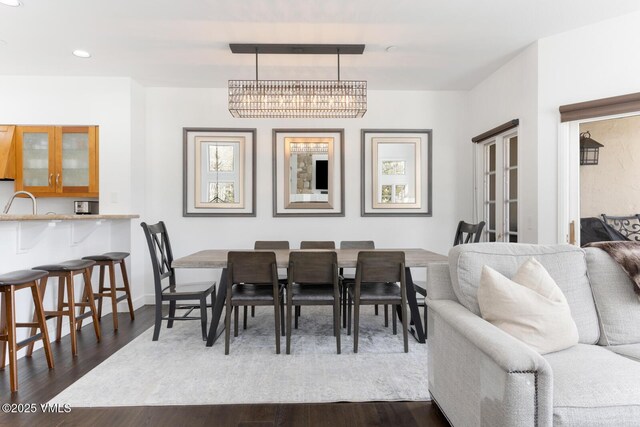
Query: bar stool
9	284
110	259
65	271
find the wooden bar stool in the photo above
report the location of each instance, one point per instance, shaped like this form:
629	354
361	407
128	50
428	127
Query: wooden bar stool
9	284
65	271
110	259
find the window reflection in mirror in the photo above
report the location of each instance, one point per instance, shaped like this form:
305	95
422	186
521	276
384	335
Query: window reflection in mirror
396	167
309	172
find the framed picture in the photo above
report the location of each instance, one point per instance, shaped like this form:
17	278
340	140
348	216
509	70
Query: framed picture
219	176
396	172
308	172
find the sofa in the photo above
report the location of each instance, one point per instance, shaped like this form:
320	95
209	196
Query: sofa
481	376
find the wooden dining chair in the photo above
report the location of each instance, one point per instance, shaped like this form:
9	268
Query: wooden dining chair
252	280
347	280
380	279
282	278
313	280
317	244
161	259
468	233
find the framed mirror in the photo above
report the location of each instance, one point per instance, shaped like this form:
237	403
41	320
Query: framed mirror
219	172
396	172
308	172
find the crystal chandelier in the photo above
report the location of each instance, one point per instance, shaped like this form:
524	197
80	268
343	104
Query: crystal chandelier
297	98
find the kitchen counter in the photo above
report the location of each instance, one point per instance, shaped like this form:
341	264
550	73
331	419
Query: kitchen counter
63	217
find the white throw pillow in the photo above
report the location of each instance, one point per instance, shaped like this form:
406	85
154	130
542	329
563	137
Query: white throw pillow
530	307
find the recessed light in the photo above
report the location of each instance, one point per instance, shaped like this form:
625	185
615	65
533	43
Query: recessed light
12	3
81	53
3	42
391	48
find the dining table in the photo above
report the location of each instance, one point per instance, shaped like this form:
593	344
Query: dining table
347	258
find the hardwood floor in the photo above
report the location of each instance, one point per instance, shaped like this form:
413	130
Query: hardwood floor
38	385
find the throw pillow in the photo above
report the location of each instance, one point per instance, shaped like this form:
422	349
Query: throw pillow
530	307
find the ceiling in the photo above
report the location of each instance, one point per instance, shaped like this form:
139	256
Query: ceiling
440	45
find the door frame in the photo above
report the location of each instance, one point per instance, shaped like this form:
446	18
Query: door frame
569	174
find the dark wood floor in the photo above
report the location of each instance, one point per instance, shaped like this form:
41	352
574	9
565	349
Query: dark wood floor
38	385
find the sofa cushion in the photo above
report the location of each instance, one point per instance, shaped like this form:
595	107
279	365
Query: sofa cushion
616	301
566	264
631	351
593	386
530	307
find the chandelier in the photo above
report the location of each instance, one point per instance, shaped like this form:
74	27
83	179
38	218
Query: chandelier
297	98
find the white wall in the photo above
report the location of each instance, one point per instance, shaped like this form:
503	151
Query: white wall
512	93
170	109
595	61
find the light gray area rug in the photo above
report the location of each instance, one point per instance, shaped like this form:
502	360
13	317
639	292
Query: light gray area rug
179	370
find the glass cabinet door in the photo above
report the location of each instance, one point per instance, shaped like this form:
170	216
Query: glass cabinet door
36	148
75	144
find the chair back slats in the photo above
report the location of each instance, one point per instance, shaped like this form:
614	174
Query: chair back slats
313	267
160	252
468	233
252	267
317	244
380	266
271	244
628	226
357	244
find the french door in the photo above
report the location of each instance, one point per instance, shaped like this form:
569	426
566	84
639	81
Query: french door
498	189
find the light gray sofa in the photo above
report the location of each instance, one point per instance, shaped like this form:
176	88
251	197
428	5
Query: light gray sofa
481	376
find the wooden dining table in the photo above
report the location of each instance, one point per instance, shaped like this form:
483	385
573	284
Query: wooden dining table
347	258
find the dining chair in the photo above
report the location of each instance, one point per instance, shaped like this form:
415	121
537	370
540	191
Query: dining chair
252	280
380	279
468	233
347	280
465	233
161	259
313	244
282	278
313	280
317	244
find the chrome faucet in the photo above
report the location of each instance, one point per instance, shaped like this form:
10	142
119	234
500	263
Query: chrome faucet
8	206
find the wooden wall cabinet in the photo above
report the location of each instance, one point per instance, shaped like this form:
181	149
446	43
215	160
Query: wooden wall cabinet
57	161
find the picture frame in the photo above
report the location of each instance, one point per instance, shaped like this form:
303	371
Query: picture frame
396	172
219	172
308	172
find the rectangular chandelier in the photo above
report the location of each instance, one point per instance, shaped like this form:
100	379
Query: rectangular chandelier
297	98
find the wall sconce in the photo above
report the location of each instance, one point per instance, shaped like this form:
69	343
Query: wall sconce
589	149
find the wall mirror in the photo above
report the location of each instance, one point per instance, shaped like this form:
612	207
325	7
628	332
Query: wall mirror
396	172
219	172
308	171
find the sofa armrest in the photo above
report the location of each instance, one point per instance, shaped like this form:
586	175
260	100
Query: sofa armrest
481	376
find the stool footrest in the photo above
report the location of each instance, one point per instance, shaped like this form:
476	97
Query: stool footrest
51	314
102	294
29	340
84	315
121	298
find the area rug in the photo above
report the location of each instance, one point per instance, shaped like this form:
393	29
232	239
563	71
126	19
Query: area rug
179	370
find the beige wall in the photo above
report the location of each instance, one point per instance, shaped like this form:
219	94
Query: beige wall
613	185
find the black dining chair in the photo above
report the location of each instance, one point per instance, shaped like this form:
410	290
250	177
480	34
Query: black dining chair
252	280
468	233
465	233
161	259
380	279
313	280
